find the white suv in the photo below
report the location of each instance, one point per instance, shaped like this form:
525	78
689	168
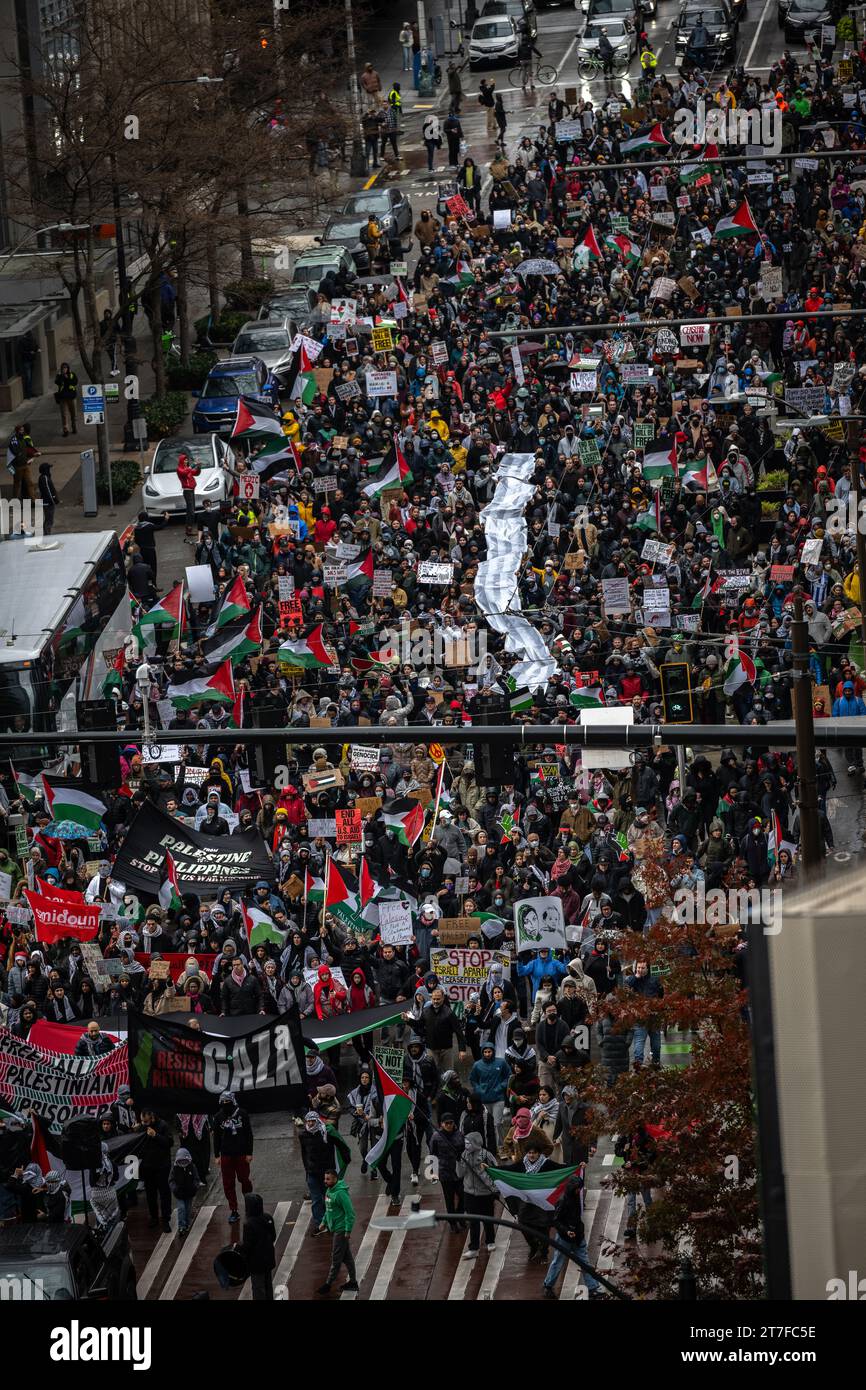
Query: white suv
493	40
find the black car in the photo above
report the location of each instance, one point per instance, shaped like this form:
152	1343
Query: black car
46	1261
346	231
721	32
802	17
521	11
297	303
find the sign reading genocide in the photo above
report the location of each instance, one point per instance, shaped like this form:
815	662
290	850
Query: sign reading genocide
175	1068
201	861
463	970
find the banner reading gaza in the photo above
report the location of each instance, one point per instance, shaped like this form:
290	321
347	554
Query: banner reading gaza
201	862
56	1085
173	1067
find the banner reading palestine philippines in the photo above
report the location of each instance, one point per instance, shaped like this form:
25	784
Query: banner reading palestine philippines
200	861
176	1068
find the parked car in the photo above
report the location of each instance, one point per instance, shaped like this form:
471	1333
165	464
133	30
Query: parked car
296	304
802	17
311	267
494	42
44	1262
161	491
390	207
346	231
622	38
270	340
521	11
217	405
614	12
722	30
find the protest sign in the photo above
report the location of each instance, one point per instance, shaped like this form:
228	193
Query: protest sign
347	390
644	433
200	860
582	381
456	931
349	830
322	828
391	1060
463	970
383	341
395	923
58	1085
616	597
381	383
539	922
694	334
364	758
431	572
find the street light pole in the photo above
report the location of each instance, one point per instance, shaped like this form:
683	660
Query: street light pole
358	162
810	832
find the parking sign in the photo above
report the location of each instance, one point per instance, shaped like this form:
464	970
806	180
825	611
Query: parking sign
93	404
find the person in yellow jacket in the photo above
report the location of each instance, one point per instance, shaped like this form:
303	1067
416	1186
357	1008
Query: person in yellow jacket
307	510
459	455
648	61
291	426
851	587
438	424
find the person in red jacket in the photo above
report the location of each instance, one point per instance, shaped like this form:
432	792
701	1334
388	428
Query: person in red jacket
324	527
291	801
187	472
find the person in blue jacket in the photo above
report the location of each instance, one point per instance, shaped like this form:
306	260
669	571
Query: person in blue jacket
847	705
541	964
489	1080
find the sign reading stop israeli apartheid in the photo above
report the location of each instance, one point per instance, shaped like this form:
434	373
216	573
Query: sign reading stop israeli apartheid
462	970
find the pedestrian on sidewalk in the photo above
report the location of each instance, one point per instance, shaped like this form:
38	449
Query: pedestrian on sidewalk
432	134
453	134
65	393
48	497
187	472
391	127
257	1247
184	1183
501	120
339	1219
487	100
406	45
371	85
233	1146
28	351
455	88
19	453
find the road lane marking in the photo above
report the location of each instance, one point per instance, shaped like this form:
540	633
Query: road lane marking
281	1212
186	1253
495	1265
151	1269
386	1269
757	35
368	1244
291	1252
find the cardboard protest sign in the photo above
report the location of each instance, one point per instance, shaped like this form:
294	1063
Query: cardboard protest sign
539	922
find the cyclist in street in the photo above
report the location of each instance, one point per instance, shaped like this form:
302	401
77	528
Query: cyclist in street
525	50
606	53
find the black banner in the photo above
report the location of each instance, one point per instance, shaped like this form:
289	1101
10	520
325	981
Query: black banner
202	861
176	1068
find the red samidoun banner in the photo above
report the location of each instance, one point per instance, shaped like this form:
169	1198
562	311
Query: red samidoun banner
54	919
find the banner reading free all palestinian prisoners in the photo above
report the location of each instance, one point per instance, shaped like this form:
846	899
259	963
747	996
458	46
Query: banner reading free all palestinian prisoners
201	861
176	1068
55	1084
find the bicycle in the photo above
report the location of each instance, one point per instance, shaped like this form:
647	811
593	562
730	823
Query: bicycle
591	66
544	75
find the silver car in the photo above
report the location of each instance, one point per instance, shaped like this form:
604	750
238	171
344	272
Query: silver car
269	339
162	492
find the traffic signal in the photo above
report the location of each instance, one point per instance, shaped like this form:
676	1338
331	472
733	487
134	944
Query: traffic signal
494	762
676	685
101	761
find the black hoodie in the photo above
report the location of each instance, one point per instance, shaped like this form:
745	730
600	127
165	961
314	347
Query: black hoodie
259	1237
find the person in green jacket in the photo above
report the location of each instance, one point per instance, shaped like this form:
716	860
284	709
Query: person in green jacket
339	1220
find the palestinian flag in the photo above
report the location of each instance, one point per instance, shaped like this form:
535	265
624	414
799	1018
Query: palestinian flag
46	1151
253	418
520	699
654	139
740	670
259	928
314	887
742	223
405	816
309	652
235	604
168	610
29	788
68	798
236	718
275	457
589	697
465	273
368	886
169	888
329	1032
691	173
360	569
662	464
236	642
396	1106
590	241
113	679
397	476
220	687
625	247
342	899
650	520
304	388
541	1189
701	475
711	585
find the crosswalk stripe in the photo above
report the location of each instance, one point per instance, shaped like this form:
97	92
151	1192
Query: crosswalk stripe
281	1212
291	1252
148	1275
386	1269
186	1253
462	1275
495	1265
611	1232
368	1244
